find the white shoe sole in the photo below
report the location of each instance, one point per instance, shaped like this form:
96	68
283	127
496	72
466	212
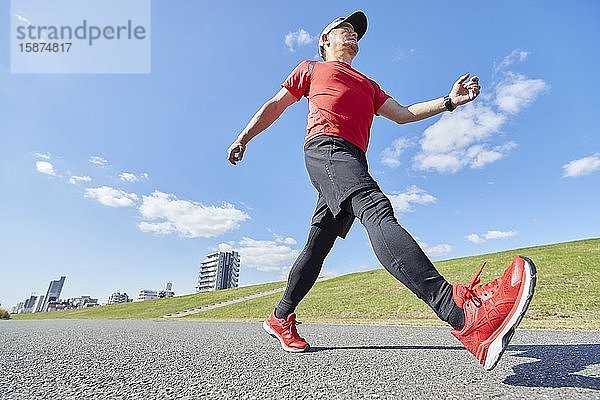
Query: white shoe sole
498	345
271	332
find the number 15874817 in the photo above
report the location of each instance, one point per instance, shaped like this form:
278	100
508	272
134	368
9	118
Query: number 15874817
44	47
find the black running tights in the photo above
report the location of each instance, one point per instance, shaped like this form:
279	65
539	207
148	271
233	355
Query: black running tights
395	248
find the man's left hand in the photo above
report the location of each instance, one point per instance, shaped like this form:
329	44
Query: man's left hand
463	92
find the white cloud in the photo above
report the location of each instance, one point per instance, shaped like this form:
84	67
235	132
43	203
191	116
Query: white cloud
390	156
434	250
475	238
465	138
128	177
449	162
518	92
111	197
456	140
480	155
515	56
437	250
77	179
403	202
489	235
285	240
97	160
264	255
298	38
582	166
226	246
165	214
469	124
45	168
43	156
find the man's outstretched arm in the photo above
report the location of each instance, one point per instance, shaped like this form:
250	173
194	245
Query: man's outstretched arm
460	94
263	118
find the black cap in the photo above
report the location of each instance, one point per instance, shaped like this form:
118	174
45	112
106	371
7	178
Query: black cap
357	19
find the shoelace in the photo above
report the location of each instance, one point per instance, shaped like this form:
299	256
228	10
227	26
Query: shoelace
292	327
470	293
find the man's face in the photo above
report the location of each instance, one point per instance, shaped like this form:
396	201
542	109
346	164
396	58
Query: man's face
344	35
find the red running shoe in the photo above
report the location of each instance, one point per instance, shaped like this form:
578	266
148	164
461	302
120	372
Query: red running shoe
493	311
285	331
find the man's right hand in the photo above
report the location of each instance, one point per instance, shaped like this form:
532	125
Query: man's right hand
235	152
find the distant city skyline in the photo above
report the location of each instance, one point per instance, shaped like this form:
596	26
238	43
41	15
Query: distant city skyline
52	300
39	303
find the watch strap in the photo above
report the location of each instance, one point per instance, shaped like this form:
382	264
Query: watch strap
448	104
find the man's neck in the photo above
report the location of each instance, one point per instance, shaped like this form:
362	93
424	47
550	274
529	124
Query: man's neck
342	56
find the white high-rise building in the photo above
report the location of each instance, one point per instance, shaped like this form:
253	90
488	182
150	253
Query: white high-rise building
118	298
219	270
147	294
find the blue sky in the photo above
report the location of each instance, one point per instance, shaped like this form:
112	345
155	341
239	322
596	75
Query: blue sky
120	181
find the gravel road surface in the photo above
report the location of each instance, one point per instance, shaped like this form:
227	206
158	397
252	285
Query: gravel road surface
130	359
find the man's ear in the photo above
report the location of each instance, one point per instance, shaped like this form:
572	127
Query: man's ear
325	38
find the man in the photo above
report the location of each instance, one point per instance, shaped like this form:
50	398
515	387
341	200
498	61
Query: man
342	103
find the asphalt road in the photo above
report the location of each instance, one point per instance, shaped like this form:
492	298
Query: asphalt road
100	359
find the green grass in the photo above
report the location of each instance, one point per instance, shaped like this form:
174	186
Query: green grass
567	294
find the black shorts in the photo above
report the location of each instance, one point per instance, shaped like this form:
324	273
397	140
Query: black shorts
337	169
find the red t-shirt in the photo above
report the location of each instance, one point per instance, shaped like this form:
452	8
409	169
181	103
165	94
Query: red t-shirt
341	100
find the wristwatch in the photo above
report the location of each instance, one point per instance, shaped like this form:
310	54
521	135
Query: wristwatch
448	104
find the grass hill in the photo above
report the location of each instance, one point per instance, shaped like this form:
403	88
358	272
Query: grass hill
567	294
